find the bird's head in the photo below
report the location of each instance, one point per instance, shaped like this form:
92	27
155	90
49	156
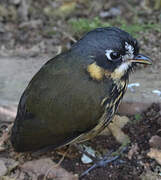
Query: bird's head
113	51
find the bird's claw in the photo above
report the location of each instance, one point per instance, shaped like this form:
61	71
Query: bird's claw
103	162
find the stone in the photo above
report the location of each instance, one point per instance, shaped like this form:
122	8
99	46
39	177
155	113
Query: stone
16	72
7	114
3	169
132	108
46	168
149	175
111	13
10	163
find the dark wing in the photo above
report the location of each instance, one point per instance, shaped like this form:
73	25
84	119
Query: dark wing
60	103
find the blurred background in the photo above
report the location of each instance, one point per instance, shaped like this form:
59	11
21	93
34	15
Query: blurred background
33	31
39	26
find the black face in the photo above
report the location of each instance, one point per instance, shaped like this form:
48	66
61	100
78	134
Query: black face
110	48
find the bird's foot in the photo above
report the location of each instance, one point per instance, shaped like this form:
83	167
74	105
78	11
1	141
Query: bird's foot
87	153
104	161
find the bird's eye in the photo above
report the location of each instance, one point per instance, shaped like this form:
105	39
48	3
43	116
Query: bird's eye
112	55
115	55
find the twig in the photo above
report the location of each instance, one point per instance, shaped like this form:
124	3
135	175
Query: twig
55	166
69	36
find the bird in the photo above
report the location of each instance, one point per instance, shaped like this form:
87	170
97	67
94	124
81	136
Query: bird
75	95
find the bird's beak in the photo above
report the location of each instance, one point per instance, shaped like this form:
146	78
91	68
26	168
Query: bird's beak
140	58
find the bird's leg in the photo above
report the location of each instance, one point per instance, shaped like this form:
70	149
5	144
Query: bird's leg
102	162
83	150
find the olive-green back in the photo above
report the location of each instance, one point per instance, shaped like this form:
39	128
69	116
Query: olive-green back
60	103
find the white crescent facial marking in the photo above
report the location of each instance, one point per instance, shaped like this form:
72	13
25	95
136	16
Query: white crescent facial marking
108	52
121	70
129	48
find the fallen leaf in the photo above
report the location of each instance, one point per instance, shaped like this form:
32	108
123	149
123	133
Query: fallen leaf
134	150
155	154
47	168
115	128
155	142
118	122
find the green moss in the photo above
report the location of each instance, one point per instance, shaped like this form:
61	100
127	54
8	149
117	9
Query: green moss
82	25
135	28
138	117
50	32
123	147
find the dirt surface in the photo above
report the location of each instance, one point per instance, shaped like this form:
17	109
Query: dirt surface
140	133
133	164
16	72
31	32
